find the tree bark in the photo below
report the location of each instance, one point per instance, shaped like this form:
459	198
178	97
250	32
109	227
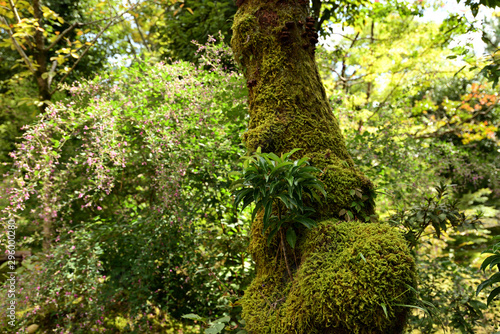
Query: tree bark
274	44
41	56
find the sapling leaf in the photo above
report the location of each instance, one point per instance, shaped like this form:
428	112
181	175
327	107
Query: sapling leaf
274	157
286	155
291	237
273	233
268	208
492	295
240	195
385	310
256	209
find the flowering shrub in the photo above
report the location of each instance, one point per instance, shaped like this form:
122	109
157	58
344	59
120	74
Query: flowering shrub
127	179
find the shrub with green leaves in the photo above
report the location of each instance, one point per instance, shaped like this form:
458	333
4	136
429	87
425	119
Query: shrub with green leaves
137	162
438	211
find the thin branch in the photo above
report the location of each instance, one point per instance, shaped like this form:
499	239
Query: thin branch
14	9
283	248
140	30
112	21
73	26
61	35
386	98
18	18
359	39
18	47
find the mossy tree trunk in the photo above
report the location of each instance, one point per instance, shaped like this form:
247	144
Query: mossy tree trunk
274	44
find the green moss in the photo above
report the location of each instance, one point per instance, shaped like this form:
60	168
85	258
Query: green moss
339	177
334	290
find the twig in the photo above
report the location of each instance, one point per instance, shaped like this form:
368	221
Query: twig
61	35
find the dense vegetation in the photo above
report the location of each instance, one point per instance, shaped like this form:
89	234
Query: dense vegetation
118	181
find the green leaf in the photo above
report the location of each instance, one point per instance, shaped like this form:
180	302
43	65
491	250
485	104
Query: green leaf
492	295
309	169
223	319
193	316
268	208
240	195
414	306
215	328
320	188
286	200
236	184
273	233
247	201
302	161
307	222
385	310
493	279
286	155
235	173
256	209
291	237
316	197
274	157
437	228
488	260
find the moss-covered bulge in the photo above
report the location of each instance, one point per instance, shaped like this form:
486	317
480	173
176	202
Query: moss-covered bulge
350	272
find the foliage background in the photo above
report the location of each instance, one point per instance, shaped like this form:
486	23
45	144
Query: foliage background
129	164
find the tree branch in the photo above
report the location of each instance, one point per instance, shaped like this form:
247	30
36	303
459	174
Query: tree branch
18	47
61	35
386	98
14	10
